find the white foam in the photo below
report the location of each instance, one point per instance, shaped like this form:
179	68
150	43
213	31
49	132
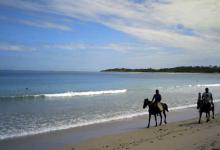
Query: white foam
88	93
208	85
183	107
80	124
69	94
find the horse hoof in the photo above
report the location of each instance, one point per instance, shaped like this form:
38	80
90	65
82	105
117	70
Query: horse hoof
165	122
148	127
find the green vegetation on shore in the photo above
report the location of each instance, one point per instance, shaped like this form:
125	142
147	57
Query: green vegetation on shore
183	69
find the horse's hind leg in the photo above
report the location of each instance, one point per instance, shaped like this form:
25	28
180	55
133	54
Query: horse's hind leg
165	117
200	115
213	113
155	116
149	121
208	116
161	118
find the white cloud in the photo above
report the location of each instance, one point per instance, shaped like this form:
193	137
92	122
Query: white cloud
117	47
138	48
45	24
189	25
37	23
15	47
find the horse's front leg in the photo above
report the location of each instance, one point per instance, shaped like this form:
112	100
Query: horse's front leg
161	119
155	116
149	120
200	115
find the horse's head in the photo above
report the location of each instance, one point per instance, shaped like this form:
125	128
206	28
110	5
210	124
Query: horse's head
146	102
199	103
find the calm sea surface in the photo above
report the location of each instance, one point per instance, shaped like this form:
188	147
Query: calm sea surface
37	102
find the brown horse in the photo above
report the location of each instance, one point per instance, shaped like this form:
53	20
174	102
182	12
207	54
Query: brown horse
205	107
154	110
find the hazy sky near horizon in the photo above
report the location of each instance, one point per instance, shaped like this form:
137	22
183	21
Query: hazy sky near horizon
87	35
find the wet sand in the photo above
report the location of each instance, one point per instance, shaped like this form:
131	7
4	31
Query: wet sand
127	134
184	135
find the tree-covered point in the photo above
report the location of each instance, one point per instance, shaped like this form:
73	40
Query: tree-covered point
189	69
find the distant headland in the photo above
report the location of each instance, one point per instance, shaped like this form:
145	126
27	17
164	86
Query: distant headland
180	69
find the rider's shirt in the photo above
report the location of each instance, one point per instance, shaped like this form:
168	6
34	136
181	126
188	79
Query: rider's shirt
207	97
157	97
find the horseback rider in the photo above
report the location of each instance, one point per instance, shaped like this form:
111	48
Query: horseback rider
207	97
156	100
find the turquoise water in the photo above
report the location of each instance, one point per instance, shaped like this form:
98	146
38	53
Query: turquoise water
37	102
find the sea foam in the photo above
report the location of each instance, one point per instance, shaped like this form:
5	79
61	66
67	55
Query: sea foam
208	85
88	93
66	94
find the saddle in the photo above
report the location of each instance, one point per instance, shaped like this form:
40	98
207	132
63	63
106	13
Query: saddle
158	105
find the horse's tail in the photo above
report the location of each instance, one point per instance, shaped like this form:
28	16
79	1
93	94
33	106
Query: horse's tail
166	107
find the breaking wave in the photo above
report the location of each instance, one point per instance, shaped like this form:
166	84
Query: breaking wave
89	93
208	85
69	94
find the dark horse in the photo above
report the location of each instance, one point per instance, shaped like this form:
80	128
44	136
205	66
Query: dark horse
154	110
206	108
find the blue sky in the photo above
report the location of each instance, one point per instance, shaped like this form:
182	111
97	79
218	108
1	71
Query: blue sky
89	35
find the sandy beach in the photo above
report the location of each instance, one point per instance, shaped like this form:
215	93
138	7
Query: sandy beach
187	135
181	135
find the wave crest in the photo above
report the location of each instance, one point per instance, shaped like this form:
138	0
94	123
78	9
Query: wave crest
67	94
89	93
208	85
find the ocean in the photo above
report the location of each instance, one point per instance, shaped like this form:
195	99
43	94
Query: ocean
33	102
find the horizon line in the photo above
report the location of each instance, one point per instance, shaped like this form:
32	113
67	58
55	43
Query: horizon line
30	70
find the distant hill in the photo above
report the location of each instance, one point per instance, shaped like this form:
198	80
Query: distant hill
183	69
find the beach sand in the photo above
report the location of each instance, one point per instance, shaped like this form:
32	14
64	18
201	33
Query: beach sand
183	135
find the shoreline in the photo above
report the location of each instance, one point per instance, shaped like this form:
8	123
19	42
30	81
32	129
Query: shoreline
183	135
102	121
76	135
